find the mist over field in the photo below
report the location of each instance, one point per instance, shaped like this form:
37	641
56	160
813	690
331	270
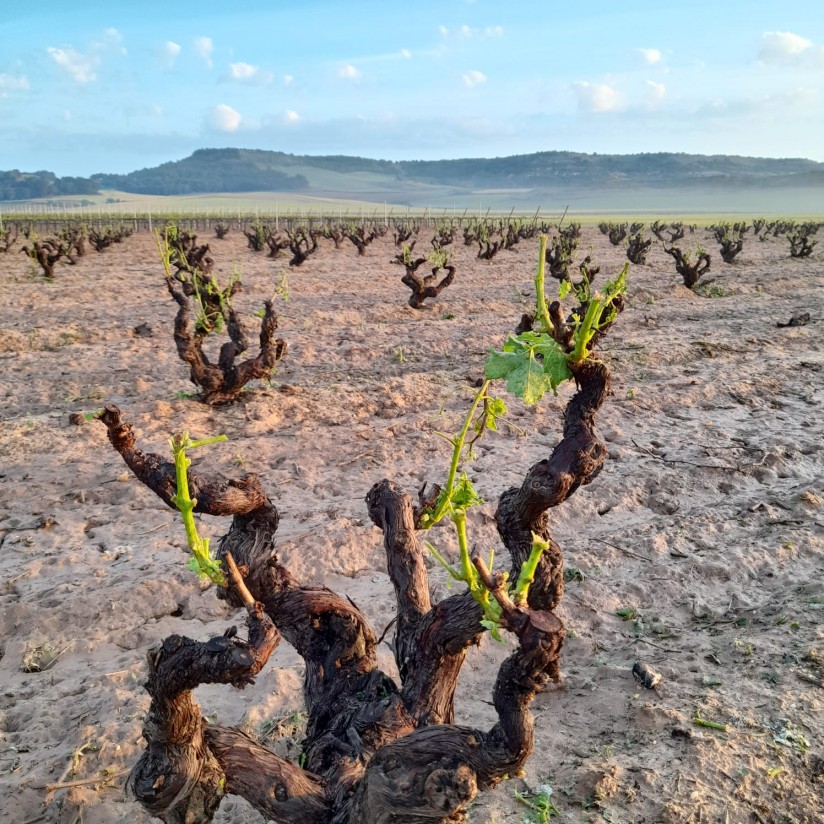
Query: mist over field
639	183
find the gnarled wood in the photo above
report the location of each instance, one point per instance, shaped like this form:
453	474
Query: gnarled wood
637	249
690	271
178	777
376	752
426	287
223	382
574	462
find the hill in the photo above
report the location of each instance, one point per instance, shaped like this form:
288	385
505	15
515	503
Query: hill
584	181
16	185
206	170
237	170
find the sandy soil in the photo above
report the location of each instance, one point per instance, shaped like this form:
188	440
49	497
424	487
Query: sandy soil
707	522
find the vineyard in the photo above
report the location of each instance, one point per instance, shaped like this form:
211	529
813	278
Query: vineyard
405	416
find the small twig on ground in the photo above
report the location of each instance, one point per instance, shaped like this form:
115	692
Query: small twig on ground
148	531
657	646
810	679
661	458
367	454
80	782
621	549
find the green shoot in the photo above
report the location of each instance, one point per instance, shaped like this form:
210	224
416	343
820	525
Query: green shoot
468	574
407	254
458	496
540	290
601	312
165	251
711	725
534	363
438	258
539	803
452	497
202	560
527	575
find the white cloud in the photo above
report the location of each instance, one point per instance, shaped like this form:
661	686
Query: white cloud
113	38
204	48
406	54
656	92
247	73
781	47
9	83
650	56
291	116
597	97
800	103
242	71
349	72
80	66
473	78
467	32
170	52
288	79
224	118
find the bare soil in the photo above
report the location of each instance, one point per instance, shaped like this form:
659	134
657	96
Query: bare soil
705	529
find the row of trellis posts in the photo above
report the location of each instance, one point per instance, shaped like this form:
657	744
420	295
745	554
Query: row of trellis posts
49	218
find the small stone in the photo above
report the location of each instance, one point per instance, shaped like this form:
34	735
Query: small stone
77	419
646	676
801	319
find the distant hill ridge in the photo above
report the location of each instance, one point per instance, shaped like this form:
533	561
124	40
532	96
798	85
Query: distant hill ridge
248	170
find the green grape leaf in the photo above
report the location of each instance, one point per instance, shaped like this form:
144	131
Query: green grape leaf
618	286
563	289
209	568
464	494
526	376
529	381
500	364
494	629
556	365
496	408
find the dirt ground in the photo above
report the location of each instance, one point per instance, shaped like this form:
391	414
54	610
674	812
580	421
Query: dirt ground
705	529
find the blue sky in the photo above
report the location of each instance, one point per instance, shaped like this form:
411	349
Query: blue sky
110	87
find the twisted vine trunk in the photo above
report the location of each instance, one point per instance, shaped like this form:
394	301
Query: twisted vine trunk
377	751
222	382
426	287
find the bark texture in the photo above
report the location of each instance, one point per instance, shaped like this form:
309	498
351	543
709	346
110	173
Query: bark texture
222	382
427	286
376	751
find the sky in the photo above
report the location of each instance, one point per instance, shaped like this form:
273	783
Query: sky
91	87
